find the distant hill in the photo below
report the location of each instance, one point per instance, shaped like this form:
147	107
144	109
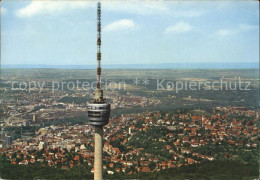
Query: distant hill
217	65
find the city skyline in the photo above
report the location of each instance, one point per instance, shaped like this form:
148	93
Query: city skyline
62	33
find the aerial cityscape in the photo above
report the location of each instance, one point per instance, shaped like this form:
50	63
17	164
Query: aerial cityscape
63	117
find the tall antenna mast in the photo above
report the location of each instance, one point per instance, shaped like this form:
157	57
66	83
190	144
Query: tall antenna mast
99	45
98	95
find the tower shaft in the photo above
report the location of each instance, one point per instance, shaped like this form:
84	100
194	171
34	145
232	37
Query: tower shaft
98	164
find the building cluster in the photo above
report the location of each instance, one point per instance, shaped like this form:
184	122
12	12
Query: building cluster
130	101
143	142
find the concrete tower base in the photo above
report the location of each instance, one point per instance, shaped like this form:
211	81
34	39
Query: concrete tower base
98	161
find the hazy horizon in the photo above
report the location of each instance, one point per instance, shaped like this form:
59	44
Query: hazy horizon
210	65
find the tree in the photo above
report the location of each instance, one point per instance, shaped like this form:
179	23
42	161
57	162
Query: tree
152	165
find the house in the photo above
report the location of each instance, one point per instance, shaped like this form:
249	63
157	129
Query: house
145	169
110	172
118	170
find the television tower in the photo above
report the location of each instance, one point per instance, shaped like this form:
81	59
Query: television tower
98	109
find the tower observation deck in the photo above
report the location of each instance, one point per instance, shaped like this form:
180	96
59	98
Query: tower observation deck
98	108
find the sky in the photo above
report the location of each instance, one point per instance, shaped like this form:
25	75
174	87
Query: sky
143	32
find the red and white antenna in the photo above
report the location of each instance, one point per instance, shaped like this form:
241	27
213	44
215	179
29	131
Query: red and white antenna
99	45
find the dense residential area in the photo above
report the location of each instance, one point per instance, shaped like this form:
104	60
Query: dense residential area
146	142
